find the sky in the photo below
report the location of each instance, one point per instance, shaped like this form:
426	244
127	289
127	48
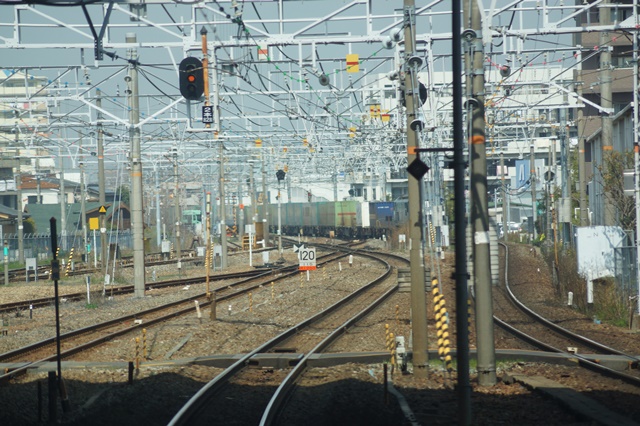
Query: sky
277	98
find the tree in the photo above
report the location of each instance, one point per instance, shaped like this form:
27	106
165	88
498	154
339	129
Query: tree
29	226
575	192
612	170
123	191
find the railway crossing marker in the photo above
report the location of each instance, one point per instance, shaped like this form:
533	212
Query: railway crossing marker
307	258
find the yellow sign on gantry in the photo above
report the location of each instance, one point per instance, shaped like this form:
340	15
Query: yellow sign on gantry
353	63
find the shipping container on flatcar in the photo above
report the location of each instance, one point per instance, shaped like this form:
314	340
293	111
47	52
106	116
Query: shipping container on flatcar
347	219
326	214
381	214
346	214
362	215
310	214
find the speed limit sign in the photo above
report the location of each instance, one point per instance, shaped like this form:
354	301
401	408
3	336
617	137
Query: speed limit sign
307	258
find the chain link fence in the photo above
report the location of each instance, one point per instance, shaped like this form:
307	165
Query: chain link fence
38	245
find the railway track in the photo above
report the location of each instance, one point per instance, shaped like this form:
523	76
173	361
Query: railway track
83	268
222	396
82	339
558	339
121	290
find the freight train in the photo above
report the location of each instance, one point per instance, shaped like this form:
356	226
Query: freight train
346	219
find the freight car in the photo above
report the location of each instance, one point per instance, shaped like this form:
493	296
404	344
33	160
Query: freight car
347	219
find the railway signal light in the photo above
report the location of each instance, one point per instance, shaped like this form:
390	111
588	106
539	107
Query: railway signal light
191	78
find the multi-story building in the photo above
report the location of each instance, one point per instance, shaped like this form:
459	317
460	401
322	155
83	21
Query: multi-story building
606	80
526	108
21	121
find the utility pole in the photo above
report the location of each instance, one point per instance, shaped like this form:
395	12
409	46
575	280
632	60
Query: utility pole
280	174
474	59
19	206
582	168
505	229
549	207
216	123
252	189
176	206
462	294
418	296
83	205
334	179
265	203
63	204
205	74
635	323
532	180
137	222
223	214
101	183
240	211
208	254
606	102
159	235
566	180
38	188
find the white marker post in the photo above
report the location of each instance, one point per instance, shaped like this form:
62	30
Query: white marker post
198	312
589	288
95	252
250	229
87	280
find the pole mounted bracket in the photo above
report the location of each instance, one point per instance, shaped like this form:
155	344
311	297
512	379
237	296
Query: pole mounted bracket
97	38
471	103
409	16
469	34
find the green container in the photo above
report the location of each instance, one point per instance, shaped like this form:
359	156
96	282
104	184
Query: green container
326	214
310	214
346	214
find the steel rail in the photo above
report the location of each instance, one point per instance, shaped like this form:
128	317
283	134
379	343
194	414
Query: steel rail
277	403
555	327
581	360
46	301
193	407
35	346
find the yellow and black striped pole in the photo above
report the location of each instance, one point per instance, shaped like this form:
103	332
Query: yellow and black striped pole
68	268
469	312
442	326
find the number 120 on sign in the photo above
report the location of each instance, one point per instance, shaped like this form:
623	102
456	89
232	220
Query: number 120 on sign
307	258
